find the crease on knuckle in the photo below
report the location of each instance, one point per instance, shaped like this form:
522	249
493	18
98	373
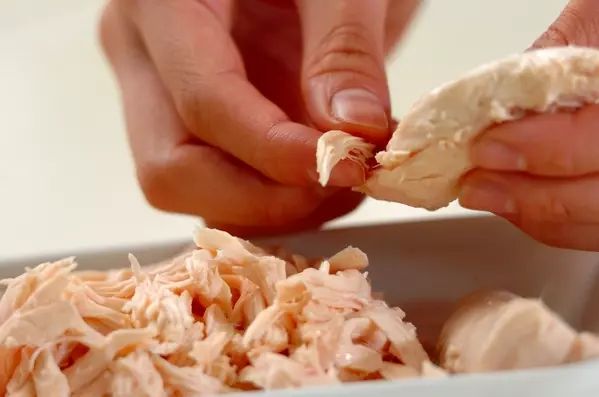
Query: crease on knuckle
571	28
345	48
554	36
265	159
551	208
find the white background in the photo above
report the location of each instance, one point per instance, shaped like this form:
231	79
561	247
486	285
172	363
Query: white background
66	178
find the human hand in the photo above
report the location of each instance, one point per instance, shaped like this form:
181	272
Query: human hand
542	172
225	100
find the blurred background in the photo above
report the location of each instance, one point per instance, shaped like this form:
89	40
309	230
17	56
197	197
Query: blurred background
66	178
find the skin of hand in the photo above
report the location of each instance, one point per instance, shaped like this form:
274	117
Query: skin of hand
225	101
541	173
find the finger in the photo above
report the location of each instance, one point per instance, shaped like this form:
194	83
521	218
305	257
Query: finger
178	174
399	15
560	144
577	236
339	204
533	198
578	24
268	36
343	73
200	65
557	144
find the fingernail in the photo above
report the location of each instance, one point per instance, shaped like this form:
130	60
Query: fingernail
498	156
360	107
487	195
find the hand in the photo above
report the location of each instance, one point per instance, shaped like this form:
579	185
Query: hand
223	111
542	173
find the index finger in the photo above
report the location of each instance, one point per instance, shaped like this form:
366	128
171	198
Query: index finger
202	69
555	145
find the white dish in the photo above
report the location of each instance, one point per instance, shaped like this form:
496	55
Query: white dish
437	260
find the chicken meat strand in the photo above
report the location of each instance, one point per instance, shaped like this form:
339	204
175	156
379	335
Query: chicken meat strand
228	316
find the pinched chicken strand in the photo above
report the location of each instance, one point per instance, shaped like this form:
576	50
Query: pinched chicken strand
225	316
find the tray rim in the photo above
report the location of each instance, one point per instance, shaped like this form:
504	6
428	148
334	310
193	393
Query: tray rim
516	383
109	249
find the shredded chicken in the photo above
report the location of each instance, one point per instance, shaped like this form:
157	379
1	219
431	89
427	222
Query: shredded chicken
225	316
335	146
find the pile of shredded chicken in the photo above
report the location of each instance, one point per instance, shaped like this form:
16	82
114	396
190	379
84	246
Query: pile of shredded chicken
223	317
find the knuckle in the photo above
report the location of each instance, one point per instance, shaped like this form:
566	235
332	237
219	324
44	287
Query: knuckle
194	105
548	207
553	234
281	211
546	234
346	47
106	29
115	28
539	230
263	160
553	36
156	180
571	28
189	105
271	164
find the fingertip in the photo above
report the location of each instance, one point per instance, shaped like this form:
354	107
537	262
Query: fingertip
343	80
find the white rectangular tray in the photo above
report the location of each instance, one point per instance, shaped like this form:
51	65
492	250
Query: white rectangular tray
437	260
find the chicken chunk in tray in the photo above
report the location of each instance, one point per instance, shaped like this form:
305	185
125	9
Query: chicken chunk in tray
229	316
497	331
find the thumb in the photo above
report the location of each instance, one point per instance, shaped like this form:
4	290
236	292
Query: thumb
578	24
344	83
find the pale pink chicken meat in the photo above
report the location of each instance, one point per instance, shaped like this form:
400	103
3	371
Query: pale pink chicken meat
225	316
498	331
